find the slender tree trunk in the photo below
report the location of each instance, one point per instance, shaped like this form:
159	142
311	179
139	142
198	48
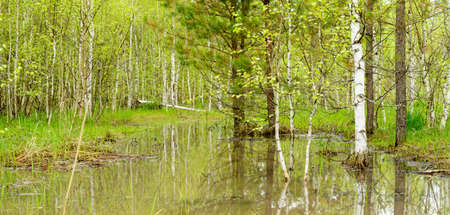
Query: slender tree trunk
289	77
446	89
369	68
116	79
173	68
359	97
269	91
399	192
378	68
412	68
400	73
164	71
189	85
90	17
16	61
277	126
446	100
309	137
427	74
50	94
9	91
130	62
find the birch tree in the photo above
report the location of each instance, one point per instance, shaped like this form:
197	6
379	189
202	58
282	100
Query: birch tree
359	98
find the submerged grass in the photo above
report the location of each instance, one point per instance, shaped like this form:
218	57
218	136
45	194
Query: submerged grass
29	141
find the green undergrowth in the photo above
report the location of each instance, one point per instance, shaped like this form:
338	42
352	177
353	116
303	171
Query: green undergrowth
422	144
31	139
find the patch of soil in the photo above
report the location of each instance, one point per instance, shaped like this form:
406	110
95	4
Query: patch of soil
46	160
91	155
252	130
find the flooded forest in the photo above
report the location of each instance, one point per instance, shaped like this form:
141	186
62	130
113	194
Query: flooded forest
224	107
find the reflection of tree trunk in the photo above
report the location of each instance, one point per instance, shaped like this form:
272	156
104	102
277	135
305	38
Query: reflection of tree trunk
368	207
91	180
172	163
361	189
283	202
306	186
399	195
363	205
270	160
291	155
238	169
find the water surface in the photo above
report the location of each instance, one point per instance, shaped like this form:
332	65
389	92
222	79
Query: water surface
197	170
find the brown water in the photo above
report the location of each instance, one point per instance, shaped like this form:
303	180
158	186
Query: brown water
196	170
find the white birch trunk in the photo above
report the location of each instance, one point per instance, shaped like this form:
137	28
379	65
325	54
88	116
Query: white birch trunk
446	100
189	85
427	78
359	98
360	198
309	137
138	77
446	83
289	76
277	127
173	68
116	81
412	68
130	62
210	82
90	9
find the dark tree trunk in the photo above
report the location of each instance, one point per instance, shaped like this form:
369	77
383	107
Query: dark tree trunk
399	194
369	69
269	91
400	73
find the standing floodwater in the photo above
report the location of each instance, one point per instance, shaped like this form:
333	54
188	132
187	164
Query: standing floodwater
197	170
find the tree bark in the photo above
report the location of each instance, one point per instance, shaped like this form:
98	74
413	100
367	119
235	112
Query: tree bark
173	69
90	17
369	67
446	100
359	97
289	77
130	62
269	91
309	137
400	73
399	192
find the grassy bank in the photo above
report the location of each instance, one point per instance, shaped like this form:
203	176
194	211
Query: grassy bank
422	144
30	141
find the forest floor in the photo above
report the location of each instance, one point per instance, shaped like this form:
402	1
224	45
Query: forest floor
29	142
424	144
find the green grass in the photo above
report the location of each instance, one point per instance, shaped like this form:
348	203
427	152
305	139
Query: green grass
32	138
422	143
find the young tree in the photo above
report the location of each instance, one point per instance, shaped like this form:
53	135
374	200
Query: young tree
369	66
400	73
